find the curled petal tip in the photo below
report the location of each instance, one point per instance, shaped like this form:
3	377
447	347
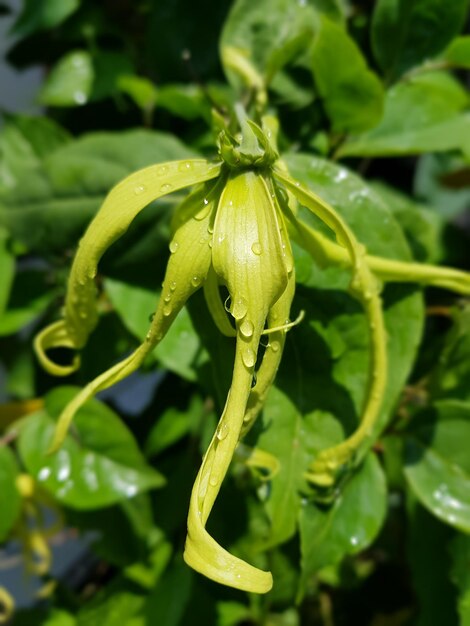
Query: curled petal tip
55	336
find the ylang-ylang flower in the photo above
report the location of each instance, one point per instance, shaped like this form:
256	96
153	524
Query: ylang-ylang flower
233	231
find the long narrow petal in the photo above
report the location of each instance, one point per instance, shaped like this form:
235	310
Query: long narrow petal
202	552
327	252
120	207
186	272
365	288
216	306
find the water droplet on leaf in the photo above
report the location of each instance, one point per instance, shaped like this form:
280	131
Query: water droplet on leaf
247	328
256	248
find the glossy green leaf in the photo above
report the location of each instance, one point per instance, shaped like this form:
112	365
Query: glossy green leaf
43	15
10	500
460	575
72	182
99	463
458	53
352	94
70	81
349	525
407	32
180	351
141	90
423	114
318	400
437	464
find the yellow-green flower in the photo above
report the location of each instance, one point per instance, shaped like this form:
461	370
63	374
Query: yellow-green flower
233	231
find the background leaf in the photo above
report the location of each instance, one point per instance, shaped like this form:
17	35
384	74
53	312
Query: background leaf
352	94
10	500
99	463
407	32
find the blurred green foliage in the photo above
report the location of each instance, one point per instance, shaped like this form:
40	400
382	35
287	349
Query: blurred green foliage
373	104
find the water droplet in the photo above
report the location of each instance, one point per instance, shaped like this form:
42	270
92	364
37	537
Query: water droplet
249	357
44	473
167	309
206	201
213	481
80	97
138	189
185	166
247	328
151	317
210	229
222	431
354	541
274	345
211	243
167	298
230	203
195	281
172	286
162	170
166	188
239	308
92	273
256	248
254	380
202	240
174	245
221	237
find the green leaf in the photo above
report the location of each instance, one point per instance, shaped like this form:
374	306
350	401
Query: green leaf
437	464
423	114
24	141
451	377
458	53
407	32
73	181
116	604
166	604
180	351
422	226
460	575
10	500
141	90
108	68
29	296
318	400
99	463
172	426
268	33
349	525
70	81
352	94
7	264
43	15
427	549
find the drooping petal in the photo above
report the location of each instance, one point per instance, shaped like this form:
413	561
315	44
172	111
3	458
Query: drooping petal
327	252
202	552
365	288
120	207
186	272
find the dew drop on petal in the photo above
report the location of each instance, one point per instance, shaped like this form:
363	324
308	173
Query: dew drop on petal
256	248
167	298
162	170
274	345
222	431
167	309
210	229
166	188
247	328
172	285
239	308
139	189
186	166
213	481
248	357
195	281
206	201
174	245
